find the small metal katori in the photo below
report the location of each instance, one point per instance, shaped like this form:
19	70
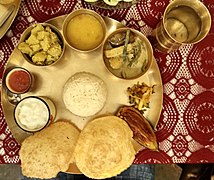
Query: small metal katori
49	82
79	13
27	33
142	51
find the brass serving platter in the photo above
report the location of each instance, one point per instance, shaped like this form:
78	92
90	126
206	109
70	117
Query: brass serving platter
9	21
49	82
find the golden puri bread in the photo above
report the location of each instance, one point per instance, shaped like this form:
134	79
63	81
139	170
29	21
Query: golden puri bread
49	151
104	148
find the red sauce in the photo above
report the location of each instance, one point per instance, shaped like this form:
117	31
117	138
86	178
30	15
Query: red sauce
19	81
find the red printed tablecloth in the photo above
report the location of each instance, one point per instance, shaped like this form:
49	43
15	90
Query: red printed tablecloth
185	131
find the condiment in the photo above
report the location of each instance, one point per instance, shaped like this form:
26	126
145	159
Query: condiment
18	80
32	114
85	32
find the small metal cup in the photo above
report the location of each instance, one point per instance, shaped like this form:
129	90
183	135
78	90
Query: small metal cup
22	83
27	110
184	22
26	34
74	14
136	72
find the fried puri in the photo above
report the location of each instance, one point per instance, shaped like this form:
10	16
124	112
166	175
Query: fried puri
104	148
49	151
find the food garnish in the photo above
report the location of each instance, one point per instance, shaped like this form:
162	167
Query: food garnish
43	45
125	57
142	130
139	95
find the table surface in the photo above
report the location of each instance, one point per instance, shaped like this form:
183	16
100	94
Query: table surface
185	131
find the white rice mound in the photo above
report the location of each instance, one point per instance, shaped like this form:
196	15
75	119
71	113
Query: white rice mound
84	94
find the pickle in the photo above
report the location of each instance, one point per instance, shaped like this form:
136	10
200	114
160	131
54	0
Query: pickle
142	130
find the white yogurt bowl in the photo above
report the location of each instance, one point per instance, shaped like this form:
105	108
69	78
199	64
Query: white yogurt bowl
34	113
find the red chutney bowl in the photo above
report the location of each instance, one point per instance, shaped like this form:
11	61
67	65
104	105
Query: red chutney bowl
18	80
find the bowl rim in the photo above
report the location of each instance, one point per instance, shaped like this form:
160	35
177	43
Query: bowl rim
26	34
79	12
143	37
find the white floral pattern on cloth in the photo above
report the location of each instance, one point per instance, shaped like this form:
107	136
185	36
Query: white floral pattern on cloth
199	116
8	146
185	131
200	62
151	11
47	9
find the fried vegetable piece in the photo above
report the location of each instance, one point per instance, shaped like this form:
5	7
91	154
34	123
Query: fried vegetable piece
142	130
37	28
39	58
32	40
139	95
116	62
55	50
25	48
36	47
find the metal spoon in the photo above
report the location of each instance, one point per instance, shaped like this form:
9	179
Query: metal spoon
13	98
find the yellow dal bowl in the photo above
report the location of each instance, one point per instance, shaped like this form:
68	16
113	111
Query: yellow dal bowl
84	30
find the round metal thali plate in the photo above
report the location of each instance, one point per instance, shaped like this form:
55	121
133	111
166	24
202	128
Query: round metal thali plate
49	81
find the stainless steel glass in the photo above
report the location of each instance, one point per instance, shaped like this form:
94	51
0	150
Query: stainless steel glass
184	22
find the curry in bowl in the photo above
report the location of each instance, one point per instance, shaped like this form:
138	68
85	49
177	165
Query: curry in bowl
42	44
127	53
